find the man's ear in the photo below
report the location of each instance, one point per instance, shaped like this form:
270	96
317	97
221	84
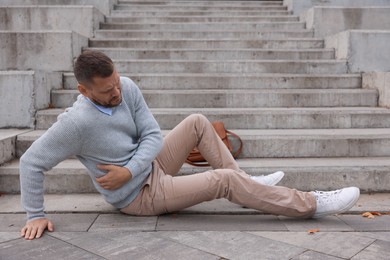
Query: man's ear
83	90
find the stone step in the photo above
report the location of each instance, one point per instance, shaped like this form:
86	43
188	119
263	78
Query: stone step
261	118
201	19
242	99
234	43
217	54
200	8
290	143
202	3
231	66
93	203
186	13
205	26
7	143
236	81
367	173
244	35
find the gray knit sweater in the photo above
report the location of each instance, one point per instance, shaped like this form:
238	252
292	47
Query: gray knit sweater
130	137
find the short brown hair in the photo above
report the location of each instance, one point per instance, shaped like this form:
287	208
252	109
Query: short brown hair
92	64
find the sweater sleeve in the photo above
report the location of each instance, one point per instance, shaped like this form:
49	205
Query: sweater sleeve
57	144
149	133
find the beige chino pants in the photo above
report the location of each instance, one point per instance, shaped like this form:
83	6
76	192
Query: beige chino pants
163	192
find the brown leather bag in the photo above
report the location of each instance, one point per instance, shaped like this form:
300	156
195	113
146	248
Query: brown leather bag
196	159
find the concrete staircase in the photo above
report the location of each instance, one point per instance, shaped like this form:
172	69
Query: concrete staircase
251	64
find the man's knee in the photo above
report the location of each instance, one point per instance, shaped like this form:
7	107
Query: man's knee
198	118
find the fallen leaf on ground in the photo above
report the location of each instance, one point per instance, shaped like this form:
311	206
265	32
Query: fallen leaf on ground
312	231
368	215
376	213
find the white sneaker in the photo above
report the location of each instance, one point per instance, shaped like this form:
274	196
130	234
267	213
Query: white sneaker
270	179
334	202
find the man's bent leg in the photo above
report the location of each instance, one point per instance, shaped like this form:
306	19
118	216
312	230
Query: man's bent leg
195	130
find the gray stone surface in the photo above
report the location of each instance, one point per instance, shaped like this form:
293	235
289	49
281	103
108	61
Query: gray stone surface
234	99
261	118
327	224
117	236
7	236
235	80
13	85
235	245
297	7
365	50
379	81
346	18
379	250
7	143
44	248
40	50
104	6
123	222
250	34
63	18
179	222
382	236
359	223
323	242
137	245
309	255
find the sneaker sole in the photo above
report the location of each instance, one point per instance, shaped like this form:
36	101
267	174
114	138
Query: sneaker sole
347	207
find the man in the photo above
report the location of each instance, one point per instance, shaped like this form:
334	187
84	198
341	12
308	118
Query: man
113	133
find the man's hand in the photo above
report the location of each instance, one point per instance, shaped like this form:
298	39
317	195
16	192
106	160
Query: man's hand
115	178
34	228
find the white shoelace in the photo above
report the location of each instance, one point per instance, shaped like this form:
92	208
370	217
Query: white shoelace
326	197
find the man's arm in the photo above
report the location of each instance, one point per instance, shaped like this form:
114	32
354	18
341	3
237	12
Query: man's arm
56	145
150	137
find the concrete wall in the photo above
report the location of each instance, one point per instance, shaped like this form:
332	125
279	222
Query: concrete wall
22	93
37	18
330	20
17	95
104	6
49	51
297	7
365	50
381	82
47	55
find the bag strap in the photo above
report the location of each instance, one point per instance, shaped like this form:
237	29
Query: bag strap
236	153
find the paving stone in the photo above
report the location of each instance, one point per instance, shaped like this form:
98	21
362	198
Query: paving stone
219	222
330	223
65	236
72	222
44	248
359	223
63	203
12	222
235	245
7	236
323	242
136	245
385	236
124	222
310	255
218	206
378	250
62	222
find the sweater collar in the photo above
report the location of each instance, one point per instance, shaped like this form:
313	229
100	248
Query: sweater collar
105	110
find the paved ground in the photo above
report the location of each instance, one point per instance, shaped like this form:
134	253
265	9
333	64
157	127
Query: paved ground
88	228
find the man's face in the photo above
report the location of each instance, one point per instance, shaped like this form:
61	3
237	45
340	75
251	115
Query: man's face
104	91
